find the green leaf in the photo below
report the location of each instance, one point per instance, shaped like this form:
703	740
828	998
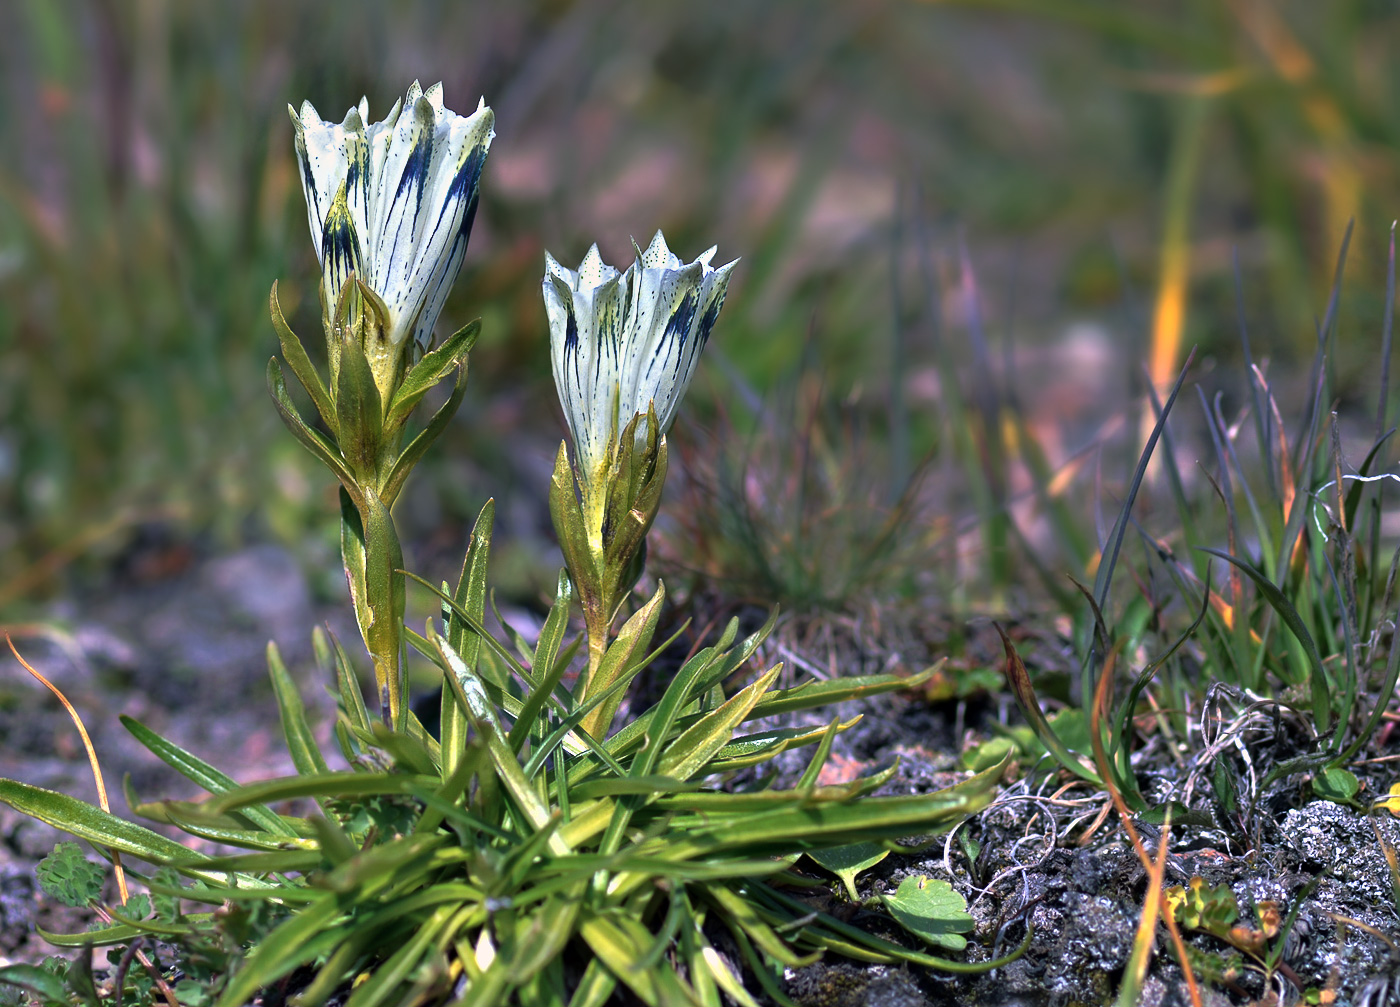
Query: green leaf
295	354
352	699
100	938
835	690
102	829
1336	784
166	904
1202	906
328	785
311	438
690	752
384	597
620	660
45	985
620	942
352	554
418	447
931	910
848	861
301	743
470	596
547	664
434	366
191	993
68	876
1020	683
1321	700
203	774
988	754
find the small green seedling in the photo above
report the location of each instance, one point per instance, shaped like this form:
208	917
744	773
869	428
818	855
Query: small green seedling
1337	785
930	910
848	861
69	877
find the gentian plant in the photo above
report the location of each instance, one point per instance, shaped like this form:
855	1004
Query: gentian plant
525	854
390	207
624	346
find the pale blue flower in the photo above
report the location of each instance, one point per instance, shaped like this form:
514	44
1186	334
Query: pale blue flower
623	341
393	201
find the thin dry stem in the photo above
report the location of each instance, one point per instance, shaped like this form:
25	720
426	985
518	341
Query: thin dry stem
92	760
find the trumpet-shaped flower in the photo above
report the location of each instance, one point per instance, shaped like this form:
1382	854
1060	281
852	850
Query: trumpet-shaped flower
625	341
393	201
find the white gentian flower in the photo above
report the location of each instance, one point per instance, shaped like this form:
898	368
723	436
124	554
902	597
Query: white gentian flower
623	341
393	201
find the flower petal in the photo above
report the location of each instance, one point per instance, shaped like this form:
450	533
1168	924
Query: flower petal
623	342
340	250
321	155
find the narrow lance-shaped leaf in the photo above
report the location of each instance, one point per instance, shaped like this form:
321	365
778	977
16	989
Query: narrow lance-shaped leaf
418	447
384	597
301	743
629	647
689	753
434	366
1021	688
310	438
203	774
104	830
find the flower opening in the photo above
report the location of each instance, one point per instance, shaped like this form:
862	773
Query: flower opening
623	341
393	201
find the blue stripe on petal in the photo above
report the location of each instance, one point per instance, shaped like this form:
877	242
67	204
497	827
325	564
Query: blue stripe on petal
679	325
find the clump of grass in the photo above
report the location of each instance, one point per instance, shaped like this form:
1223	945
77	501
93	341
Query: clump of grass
796	508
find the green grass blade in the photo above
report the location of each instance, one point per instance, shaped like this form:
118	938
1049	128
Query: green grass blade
1322	709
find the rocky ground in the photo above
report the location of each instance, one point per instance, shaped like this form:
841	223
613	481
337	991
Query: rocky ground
184	654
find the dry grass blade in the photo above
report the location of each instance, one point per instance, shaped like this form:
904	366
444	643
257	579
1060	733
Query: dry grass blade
1156	868
91	754
166	992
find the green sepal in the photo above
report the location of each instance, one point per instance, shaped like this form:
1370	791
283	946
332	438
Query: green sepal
311	439
294	352
359	412
633	500
569	525
434	366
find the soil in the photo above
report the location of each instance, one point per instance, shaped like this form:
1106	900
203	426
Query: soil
184	653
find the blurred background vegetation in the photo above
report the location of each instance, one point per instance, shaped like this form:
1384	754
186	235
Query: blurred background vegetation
941	207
